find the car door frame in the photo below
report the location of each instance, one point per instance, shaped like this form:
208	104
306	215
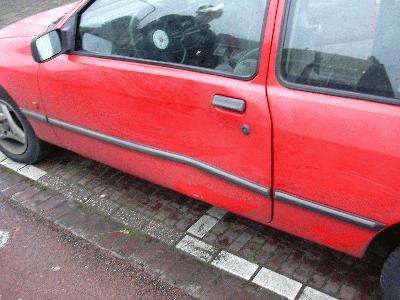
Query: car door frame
257	79
322	219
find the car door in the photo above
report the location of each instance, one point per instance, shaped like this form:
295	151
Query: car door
171	91
334	96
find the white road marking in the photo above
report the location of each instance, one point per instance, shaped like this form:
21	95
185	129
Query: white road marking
32	172
312	294
13	165
4	237
197	248
217	212
235	265
277	283
202	226
2	156
56	268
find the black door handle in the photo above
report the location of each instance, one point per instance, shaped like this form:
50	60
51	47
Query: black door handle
228	103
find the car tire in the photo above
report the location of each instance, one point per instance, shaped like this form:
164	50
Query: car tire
34	150
390	278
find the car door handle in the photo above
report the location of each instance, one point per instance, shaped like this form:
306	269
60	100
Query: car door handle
228	103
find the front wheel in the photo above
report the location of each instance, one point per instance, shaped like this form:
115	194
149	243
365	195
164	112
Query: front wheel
18	141
390	278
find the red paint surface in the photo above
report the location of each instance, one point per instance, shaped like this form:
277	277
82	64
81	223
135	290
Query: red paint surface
337	151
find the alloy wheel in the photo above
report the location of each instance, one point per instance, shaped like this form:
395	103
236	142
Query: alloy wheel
12	134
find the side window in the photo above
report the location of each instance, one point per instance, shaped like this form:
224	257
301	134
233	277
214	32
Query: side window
347	45
219	35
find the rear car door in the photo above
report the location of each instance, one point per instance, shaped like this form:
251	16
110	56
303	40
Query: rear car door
334	94
153	82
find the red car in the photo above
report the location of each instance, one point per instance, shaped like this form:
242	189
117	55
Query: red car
283	111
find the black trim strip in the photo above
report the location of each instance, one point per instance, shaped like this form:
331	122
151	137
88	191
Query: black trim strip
171	156
34	115
329	211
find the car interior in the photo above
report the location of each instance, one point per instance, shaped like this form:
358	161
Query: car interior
328	49
180	32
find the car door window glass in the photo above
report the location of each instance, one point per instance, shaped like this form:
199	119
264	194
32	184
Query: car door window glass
347	45
219	35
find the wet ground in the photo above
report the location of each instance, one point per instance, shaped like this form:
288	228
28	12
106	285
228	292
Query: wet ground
38	261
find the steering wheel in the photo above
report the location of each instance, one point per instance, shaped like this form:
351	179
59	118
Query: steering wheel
165	36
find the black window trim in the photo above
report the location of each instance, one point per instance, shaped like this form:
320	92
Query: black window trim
314	89
167	64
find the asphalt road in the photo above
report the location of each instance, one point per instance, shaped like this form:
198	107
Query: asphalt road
38	261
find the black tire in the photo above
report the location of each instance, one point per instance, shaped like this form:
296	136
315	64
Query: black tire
36	149
390	278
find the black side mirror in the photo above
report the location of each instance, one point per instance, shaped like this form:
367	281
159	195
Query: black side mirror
55	42
47	46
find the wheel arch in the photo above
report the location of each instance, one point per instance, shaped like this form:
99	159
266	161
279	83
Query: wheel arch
386	241
5	94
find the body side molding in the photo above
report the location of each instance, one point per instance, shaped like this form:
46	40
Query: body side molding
167	155
329	211
34	115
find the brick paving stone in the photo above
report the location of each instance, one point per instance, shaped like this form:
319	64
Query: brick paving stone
159	231
225	287
103	205
291	264
210	238
217	212
32	172
27	194
11	181
317	280
226	239
130	218
93	227
256	293
304	271
163	262
197	248
220	228
56	208
331	287
127	245
312	294
235	265
238	244
278	283
109	240
14	189
195	277
347	292
13	165
249	250
148	250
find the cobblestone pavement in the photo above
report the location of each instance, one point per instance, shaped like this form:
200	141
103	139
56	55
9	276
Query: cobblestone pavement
167	216
38	261
326	270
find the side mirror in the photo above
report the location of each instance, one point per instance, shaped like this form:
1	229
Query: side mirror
47	46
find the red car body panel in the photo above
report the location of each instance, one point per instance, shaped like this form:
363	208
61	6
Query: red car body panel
338	152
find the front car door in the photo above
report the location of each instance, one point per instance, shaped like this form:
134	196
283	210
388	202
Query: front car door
335	94
173	92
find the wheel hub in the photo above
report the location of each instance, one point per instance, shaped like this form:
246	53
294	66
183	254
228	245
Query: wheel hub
13	137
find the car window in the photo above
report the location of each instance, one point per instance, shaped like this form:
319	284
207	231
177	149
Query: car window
218	35
348	45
